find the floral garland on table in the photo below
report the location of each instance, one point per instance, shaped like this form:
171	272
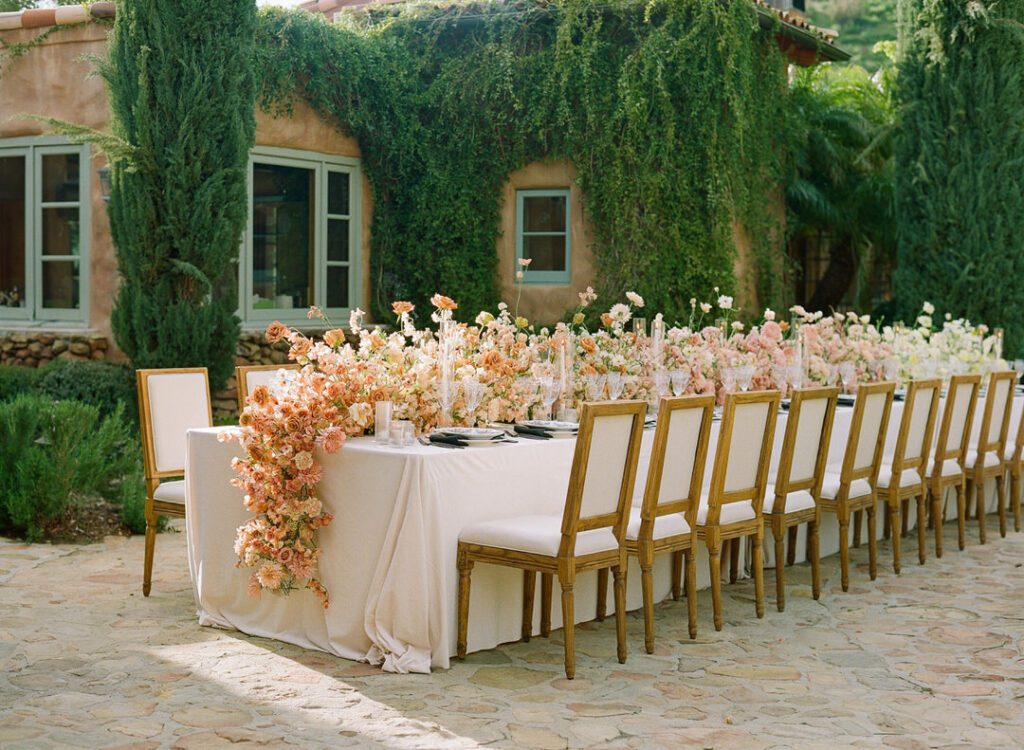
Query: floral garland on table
332	396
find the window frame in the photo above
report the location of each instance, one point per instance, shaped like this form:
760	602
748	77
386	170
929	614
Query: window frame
544	277
33	149
322	166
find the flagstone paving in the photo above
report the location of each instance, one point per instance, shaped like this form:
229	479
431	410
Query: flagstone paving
933	658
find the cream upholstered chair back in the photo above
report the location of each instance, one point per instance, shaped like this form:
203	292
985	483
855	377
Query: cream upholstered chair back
995	421
806	442
744	450
955	430
171	402
603	468
249	377
917	424
676	469
867	431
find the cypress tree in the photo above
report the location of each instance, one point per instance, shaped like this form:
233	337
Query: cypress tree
960	160
182	97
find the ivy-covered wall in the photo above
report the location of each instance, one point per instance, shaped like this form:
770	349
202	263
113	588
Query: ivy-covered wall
672	112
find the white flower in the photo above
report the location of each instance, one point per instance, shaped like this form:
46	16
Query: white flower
925	322
865	319
484	318
355	320
769	314
737	326
525	262
503	306
693	302
928	308
705	307
635	298
519	275
620	313
725	302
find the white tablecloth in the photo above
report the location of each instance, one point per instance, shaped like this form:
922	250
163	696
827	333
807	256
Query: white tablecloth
388	558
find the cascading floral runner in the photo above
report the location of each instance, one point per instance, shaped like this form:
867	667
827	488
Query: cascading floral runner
313	411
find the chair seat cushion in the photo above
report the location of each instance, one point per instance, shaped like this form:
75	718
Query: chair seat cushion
908	477
672	524
950	468
171	492
830	487
540	535
795	501
730	513
971	459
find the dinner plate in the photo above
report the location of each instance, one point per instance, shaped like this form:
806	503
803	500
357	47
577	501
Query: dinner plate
473	434
552	425
846	399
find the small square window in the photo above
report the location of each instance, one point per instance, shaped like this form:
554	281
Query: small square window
542	235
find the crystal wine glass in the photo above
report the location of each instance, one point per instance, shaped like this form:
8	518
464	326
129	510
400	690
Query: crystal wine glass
729	379
595	387
615	384
848	374
744	375
472	393
550	390
679	379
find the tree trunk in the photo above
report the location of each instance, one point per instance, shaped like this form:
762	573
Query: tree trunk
841	271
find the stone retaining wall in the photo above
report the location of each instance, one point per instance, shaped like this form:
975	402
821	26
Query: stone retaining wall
37	348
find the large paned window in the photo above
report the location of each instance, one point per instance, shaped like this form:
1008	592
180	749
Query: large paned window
44	231
302	246
542	235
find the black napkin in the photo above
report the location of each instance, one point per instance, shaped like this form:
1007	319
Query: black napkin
447	441
536	432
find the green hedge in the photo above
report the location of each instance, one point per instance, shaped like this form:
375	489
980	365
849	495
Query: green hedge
105	385
17	380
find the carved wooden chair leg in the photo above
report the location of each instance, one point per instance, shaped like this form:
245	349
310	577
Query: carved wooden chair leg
715	564
1001	502
872	542
791	550
677	574
465	571
922	545
844	550
905	520
619	576
691	592
546	581
758	564
814	554
979	502
529	589
147	567
961	516
937	515
734	560
569	628
602	593
647	586
894	525
780	586
1015	499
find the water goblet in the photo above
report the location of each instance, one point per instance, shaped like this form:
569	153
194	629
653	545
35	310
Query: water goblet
728	379
744	376
615	384
848	374
595	387
472	393
550	390
679	379
795	376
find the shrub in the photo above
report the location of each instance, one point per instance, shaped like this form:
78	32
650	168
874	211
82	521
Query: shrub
15	380
106	385
52	453
132	499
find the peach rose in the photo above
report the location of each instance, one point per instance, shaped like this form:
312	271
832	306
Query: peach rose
334	338
402	307
443	303
276	331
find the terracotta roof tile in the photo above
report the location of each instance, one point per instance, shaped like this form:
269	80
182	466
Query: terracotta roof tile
38	17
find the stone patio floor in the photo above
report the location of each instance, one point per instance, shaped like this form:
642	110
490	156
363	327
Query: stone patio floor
933	658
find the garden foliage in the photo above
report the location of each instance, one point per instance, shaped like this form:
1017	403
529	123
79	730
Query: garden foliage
180	79
670	110
54	453
960	160
109	386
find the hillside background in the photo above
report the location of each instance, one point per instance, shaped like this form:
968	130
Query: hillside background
860	23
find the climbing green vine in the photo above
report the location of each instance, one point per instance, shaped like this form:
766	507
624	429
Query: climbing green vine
670	110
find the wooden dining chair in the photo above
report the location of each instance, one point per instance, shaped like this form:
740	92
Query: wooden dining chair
731	509
946	467
589	534
793	498
1013	456
985	460
247	377
853	487
665	521
901	477
171	402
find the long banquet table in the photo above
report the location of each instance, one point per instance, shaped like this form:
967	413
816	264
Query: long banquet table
388	559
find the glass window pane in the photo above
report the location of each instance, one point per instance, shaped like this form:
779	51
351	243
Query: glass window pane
61	231
337	239
337	286
12	231
547	252
60	284
544	213
60	177
282	236
338	193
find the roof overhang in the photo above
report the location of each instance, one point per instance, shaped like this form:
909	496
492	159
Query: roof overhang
802	46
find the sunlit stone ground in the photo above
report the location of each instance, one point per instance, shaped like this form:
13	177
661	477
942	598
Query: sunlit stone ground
930	659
